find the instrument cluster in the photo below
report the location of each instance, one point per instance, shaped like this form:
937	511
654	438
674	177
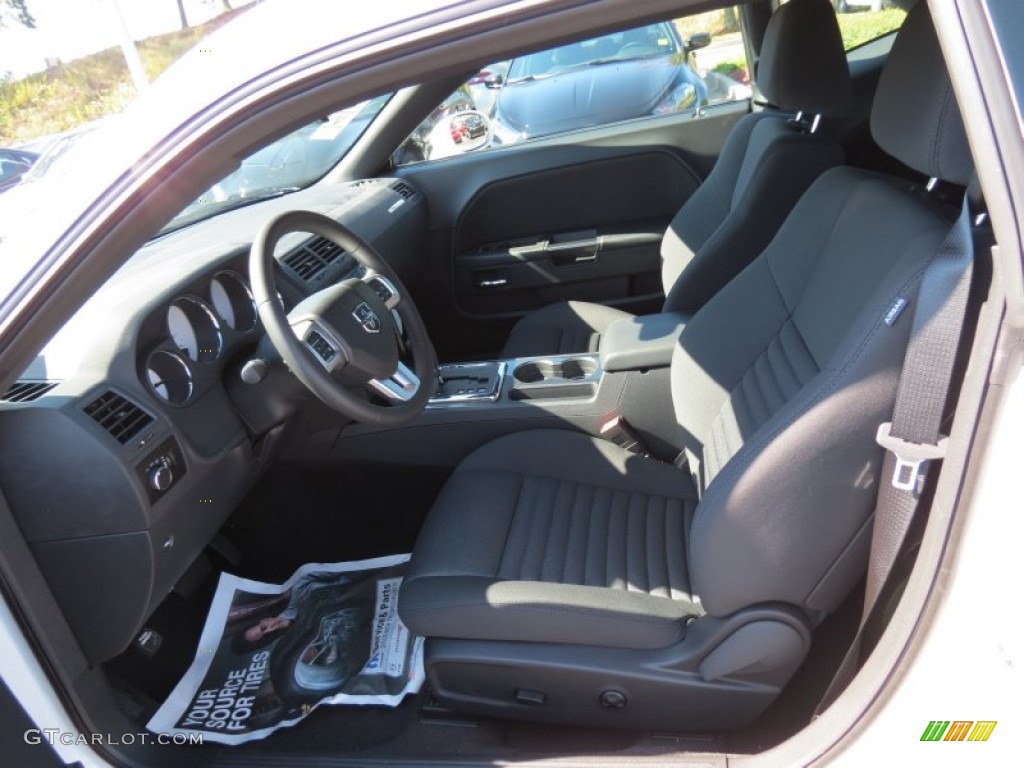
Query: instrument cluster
197	331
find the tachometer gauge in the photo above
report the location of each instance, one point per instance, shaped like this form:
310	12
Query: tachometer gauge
194	329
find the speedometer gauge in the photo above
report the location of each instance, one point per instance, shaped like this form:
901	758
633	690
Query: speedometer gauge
232	300
194	329
182	333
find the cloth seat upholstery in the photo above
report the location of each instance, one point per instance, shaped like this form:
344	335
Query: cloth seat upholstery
550	539
564	537
766	164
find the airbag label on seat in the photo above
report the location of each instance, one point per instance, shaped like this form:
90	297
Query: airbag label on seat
895	311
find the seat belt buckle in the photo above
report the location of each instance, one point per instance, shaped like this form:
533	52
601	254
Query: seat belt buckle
909	456
619	431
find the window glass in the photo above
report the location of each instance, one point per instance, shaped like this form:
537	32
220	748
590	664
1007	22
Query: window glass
288	164
862	21
669	67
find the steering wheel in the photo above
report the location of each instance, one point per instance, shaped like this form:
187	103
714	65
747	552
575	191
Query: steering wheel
346	332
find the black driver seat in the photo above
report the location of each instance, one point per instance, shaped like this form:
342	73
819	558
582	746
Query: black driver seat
560	578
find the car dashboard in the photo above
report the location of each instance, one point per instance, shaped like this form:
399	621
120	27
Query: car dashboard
124	447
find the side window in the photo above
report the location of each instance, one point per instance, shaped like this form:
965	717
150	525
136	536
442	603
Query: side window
677	66
862	21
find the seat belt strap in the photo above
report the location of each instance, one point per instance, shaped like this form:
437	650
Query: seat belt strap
912	439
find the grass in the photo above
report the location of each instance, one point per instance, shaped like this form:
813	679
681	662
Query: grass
88	88
730	65
99	85
860	28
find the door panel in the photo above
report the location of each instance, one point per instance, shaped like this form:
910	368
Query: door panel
590	231
578	216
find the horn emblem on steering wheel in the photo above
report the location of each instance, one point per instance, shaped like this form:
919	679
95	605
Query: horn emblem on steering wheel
367	318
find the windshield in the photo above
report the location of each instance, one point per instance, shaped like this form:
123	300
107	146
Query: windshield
56	148
652	40
292	162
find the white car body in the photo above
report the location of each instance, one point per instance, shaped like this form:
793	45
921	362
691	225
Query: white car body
955	648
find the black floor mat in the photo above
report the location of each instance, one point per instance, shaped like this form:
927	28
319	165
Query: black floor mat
336	730
298	514
295	515
180	623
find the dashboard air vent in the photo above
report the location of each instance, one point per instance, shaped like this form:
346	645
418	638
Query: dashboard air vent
327	250
312	257
118	415
303	262
403	189
26	391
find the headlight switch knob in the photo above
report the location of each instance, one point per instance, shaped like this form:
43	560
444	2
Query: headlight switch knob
160	477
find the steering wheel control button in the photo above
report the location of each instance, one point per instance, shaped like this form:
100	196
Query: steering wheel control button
384	290
613	699
320	346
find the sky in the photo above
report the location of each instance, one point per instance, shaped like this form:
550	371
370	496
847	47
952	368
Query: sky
69	29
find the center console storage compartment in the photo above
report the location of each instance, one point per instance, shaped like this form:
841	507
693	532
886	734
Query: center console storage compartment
646	341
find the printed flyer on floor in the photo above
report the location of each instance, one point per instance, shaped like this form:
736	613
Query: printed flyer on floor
269	654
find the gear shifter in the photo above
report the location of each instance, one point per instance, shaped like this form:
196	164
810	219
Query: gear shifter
472	381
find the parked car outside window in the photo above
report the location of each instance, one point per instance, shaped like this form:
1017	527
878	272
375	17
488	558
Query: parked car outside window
665	68
14	163
616	77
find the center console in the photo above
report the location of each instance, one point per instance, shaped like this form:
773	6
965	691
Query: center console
554	377
468	383
571	376
475	402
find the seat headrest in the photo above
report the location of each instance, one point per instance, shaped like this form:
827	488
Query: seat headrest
803	62
915	117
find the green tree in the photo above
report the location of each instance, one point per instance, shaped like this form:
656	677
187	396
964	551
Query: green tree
730	21
15	10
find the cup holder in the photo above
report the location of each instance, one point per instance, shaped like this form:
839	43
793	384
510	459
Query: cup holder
532	373
552	371
578	368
